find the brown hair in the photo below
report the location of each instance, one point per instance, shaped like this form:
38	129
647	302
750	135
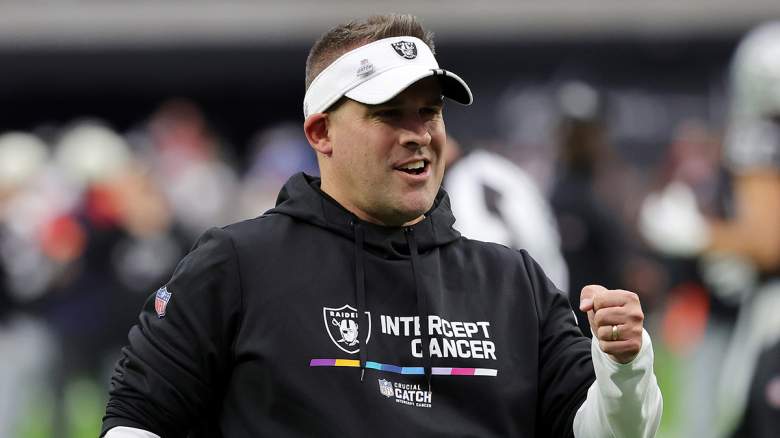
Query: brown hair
345	37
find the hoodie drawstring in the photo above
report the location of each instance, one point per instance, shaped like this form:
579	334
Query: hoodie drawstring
360	292
360	298
422	306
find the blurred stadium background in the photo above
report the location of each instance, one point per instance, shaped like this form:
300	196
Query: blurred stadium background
128	128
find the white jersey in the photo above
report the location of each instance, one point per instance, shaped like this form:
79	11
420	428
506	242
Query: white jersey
753	143
494	200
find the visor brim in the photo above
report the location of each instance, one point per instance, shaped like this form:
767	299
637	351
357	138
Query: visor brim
387	85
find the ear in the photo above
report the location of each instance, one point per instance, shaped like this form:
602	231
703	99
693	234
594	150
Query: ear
316	129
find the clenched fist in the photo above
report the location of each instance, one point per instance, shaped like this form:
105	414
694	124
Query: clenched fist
616	320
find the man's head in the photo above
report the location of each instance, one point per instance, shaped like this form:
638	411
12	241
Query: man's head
754	125
755	73
373	111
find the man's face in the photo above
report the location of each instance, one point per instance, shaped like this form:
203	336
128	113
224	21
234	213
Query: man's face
386	166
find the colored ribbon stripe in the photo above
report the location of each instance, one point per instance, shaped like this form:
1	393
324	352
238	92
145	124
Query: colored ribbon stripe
441	371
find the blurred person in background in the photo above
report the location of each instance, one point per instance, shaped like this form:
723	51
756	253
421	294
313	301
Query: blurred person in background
234	345
117	241
740	254
276	154
699	312
592	233
188	159
25	346
494	200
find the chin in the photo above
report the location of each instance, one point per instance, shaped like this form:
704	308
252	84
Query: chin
416	209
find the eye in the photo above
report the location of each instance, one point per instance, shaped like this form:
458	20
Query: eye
430	111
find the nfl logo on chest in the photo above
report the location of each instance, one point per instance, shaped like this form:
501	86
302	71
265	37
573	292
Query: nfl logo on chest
385	388
161	299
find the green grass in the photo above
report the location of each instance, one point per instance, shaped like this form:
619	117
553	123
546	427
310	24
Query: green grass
83	408
667	371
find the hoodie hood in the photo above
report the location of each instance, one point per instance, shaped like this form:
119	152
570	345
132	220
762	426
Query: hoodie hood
301	198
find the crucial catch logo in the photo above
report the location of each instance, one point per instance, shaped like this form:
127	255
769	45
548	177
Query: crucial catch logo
405	393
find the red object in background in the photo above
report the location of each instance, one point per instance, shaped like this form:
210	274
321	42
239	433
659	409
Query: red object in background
63	239
685	318
102	207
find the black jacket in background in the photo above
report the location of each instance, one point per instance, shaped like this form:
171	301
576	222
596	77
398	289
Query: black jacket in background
258	339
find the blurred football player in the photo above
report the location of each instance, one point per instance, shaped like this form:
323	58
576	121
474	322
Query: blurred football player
747	241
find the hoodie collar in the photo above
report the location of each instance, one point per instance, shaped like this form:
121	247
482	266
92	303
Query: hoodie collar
302	199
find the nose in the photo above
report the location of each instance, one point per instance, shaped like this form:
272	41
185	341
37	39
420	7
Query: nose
415	133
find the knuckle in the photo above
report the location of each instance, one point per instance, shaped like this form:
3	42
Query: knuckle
630	296
590	290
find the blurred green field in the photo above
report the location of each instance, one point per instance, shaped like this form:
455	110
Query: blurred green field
81	412
667	371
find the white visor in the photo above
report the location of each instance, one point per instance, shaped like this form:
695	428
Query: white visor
377	72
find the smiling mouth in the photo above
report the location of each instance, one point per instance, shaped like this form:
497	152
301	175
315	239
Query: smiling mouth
414	168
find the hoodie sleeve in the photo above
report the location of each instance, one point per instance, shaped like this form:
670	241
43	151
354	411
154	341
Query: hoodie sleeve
624	400
565	365
175	364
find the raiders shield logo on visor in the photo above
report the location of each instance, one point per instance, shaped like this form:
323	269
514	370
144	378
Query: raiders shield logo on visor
406	49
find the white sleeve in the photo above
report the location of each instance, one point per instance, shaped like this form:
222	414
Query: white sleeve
624	401
129	432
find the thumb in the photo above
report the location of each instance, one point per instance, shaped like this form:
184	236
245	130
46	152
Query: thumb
587	295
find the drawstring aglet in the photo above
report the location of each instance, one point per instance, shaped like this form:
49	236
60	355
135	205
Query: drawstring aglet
362	372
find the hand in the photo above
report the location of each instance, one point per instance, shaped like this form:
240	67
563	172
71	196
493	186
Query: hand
614	308
670	222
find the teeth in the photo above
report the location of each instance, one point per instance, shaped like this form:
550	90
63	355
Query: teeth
414	165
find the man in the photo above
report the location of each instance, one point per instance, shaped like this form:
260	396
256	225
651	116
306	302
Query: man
745	247
255	333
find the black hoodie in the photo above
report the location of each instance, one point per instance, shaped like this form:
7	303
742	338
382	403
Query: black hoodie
308	322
